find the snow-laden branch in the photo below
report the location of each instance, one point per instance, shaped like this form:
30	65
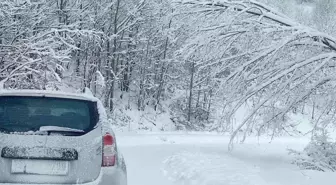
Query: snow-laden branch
256	56
264	12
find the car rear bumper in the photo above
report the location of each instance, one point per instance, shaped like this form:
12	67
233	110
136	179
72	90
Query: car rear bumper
107	176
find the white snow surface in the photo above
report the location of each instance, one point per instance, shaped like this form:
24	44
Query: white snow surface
203	159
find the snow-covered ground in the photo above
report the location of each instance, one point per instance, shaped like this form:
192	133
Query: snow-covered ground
203	159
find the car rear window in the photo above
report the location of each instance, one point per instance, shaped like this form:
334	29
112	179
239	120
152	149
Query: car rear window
23	114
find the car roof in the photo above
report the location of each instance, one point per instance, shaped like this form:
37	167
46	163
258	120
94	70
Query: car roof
46	93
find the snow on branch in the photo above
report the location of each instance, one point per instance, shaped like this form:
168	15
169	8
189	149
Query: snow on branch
35	41
259	57
264	12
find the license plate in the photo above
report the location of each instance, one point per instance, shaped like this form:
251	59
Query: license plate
40	167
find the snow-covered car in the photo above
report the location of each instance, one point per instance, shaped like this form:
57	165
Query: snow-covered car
57	138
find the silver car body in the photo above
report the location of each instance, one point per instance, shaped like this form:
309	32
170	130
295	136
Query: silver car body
30	158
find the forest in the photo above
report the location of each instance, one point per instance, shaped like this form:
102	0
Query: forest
197	62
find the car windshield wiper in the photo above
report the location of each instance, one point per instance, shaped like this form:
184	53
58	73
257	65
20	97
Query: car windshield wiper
59	129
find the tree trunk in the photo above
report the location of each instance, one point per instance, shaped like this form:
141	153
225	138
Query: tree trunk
114	58
190	90
85	75
209	105
108	74
163	70
126	73
198	96
142	79
78	46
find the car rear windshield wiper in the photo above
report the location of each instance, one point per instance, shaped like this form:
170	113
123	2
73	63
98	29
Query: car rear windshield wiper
59	129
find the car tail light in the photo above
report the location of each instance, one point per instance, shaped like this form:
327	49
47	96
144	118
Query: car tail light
109	152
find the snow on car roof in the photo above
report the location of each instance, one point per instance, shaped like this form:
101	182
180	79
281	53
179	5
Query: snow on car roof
47	93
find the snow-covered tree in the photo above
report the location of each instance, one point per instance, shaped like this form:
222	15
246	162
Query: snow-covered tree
259	57
34	48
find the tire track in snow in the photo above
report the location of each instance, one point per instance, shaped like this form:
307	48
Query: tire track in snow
209	169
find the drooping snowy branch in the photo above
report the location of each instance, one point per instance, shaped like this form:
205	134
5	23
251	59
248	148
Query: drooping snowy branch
257	56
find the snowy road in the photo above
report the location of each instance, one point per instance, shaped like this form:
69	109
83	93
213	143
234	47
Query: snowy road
181	159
